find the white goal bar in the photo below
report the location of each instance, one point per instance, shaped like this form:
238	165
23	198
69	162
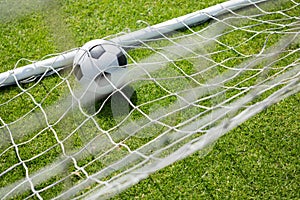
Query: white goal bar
129	39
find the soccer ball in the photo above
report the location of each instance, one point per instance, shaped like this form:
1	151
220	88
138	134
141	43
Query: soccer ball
99	66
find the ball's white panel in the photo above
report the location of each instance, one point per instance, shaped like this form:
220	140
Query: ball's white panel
90	67
107	60
112	48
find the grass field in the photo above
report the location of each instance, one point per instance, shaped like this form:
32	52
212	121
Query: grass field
257	160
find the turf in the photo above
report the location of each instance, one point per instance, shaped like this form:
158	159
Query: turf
259	159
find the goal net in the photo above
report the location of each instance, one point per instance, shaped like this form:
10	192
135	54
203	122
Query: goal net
182	91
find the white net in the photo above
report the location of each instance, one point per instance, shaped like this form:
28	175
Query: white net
182	92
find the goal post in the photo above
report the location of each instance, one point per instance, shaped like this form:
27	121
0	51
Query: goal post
129	39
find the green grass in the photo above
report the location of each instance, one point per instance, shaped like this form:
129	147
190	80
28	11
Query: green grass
259	159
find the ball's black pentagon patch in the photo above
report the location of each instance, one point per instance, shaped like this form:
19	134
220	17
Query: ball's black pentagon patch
122	60
78	72
97	51
101	79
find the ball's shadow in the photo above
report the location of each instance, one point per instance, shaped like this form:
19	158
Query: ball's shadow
117	106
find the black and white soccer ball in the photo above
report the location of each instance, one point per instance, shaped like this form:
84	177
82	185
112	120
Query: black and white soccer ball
100	67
